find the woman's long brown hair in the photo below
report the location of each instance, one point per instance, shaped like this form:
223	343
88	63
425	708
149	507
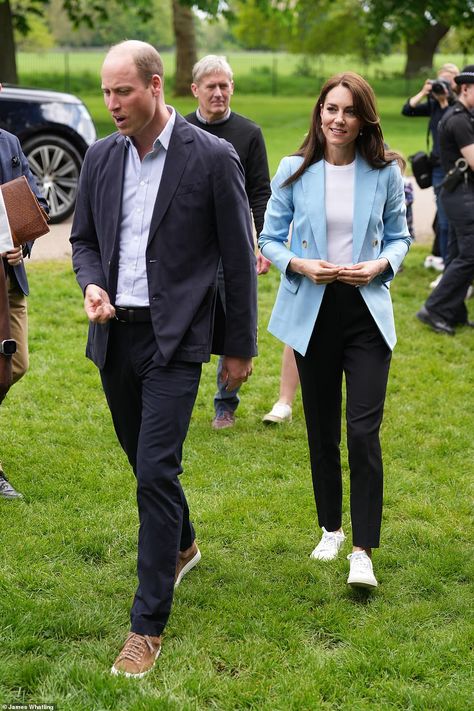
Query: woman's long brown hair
369	143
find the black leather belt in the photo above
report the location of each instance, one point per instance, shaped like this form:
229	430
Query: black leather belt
139	314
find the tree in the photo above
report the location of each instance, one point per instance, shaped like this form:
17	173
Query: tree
16	15
186	52
421	24
185	38
364	27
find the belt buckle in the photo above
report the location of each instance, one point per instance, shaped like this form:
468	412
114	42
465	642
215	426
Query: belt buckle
123	314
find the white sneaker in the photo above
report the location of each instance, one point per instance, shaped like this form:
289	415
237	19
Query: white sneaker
361	574
279	413
432	262
329	545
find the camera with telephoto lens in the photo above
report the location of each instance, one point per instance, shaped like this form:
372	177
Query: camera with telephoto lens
440	87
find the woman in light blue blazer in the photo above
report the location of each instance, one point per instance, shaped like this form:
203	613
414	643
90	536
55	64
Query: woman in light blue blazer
342	194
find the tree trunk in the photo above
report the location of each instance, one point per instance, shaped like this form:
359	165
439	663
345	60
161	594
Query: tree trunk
8	71
186	53
420	52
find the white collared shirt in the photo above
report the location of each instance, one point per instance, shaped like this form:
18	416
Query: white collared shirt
141	183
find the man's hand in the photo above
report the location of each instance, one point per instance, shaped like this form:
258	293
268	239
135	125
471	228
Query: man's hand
362	273
235	371
97	304
14	256
318	270
263	264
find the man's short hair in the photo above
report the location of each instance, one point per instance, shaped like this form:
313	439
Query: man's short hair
146	58
211	64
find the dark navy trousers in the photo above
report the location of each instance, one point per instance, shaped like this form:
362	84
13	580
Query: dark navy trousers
151	409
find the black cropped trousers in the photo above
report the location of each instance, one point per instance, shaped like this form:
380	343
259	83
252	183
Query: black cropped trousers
346	342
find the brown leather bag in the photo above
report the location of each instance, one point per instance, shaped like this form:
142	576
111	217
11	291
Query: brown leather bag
26	217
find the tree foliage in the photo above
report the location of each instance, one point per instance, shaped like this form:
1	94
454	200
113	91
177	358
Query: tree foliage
366	28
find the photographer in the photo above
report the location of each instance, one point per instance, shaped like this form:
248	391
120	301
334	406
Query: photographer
445	308
433	100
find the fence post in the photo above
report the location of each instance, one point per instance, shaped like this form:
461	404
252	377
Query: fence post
274	76
67	76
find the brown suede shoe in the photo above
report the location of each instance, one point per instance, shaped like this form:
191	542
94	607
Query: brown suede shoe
138	655
222	420
186	561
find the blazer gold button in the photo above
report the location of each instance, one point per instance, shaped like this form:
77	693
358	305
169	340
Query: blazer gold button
375	243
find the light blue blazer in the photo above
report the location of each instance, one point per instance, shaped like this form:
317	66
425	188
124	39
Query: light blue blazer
379	230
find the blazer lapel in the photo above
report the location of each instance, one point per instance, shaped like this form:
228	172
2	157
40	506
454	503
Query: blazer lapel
114	183
4	157
365	186
312	181
176	158
112	186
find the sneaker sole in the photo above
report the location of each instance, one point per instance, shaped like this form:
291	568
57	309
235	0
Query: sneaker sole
274	420
189	566
326	559
362	584
129	675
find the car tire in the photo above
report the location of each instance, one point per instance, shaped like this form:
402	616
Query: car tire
55	164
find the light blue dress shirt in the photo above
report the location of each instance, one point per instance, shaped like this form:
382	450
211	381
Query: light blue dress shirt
140	189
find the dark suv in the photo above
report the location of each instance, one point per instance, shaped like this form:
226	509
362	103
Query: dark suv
55	131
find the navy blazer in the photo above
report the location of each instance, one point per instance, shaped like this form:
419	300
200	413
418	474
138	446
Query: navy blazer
201	215
13	164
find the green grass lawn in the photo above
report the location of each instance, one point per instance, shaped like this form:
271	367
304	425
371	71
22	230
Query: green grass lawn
257	625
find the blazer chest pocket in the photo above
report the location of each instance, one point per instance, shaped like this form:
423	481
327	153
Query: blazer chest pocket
187	188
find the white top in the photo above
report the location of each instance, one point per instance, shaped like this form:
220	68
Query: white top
339	195
140	188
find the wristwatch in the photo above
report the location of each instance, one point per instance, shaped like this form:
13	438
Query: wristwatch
8	347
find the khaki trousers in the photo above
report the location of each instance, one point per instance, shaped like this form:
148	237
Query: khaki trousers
18	328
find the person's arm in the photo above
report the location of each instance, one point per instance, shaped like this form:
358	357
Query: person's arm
468	154
274	236
257	184
278	218
235	236
86	257
414	105
396	238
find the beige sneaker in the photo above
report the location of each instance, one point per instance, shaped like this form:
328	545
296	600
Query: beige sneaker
138	655
186	561
280	412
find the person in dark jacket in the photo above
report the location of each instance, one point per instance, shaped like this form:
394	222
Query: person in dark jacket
13	164
433	102
213	87
445	308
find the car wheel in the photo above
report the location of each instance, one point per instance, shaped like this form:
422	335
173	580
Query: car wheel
56	165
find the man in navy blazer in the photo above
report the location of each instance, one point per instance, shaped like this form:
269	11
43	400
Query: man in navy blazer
159	203
13	164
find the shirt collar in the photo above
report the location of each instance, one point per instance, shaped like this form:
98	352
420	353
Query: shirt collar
201	118
163	139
